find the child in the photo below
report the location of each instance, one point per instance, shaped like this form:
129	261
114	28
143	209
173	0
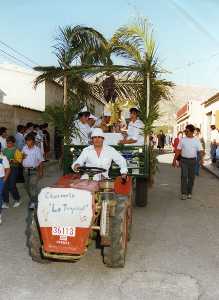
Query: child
4	173
33	168
14	157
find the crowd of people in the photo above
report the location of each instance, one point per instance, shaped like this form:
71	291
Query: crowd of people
21	160
130	134
160	140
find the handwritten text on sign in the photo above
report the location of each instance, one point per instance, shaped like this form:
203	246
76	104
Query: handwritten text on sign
64	207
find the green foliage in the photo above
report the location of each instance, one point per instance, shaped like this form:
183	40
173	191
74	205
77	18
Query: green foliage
63	117
135	43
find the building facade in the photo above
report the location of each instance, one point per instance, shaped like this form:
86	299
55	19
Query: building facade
189	113
20	102
210	115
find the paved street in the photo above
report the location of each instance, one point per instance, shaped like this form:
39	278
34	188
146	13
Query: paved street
174	252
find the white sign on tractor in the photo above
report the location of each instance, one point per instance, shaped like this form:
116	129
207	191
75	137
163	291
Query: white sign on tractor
64	207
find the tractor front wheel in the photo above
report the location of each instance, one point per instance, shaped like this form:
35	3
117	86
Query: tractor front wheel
114	255
34	241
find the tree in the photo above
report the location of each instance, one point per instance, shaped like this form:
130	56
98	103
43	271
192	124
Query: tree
75	46
135	43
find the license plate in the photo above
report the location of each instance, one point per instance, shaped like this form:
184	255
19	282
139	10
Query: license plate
63	230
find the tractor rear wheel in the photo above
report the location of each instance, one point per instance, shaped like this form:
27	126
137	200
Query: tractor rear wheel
141	192
114	255
34	241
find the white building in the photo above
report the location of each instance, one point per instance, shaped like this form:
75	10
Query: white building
17	84
180	96
210	110
189	113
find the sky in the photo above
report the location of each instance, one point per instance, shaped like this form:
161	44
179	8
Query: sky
186	31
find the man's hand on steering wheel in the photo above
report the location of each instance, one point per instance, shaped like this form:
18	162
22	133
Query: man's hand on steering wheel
76	168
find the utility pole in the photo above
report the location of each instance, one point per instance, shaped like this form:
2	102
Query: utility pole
148	104
148	93
65	91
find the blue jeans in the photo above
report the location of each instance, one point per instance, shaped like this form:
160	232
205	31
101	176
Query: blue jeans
1	193
187	175
10	186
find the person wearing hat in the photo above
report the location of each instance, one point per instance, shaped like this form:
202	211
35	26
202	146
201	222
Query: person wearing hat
91	120
103	123
83	129
101	156
4	173
135	129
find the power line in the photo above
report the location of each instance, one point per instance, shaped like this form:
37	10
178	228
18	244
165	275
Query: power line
17	59
190	63
19	53
192	20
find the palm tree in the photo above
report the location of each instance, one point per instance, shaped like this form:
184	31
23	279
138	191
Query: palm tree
75	46
135	43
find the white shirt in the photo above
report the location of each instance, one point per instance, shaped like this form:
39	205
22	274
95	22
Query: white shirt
3	142
214	135
135	132
108	154
39	140
4	164
189	147
33	157
83	134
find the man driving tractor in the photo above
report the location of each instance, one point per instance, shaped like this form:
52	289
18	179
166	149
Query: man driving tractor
101	156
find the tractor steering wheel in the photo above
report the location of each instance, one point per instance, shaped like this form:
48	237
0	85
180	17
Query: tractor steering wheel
91	171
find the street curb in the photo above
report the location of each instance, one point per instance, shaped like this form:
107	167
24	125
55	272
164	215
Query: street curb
210	171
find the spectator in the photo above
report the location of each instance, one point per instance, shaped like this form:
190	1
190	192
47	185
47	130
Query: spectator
214	138
4	173
29	128
46	140
19	137
161	141
3	135
20	142
199	138
176	141
38	137
33	168
188	149
14	157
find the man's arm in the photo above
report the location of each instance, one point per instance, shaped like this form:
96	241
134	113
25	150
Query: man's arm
80	161
120	161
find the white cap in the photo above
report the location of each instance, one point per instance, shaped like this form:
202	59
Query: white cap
92	117
97	132
84	109
107	114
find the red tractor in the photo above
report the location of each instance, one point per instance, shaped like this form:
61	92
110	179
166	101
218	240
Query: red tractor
76	211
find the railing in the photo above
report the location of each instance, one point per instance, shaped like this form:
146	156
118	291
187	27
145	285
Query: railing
137	158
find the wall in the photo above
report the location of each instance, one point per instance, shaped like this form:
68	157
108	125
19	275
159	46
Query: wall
17	84
209	117
53	93
11	116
